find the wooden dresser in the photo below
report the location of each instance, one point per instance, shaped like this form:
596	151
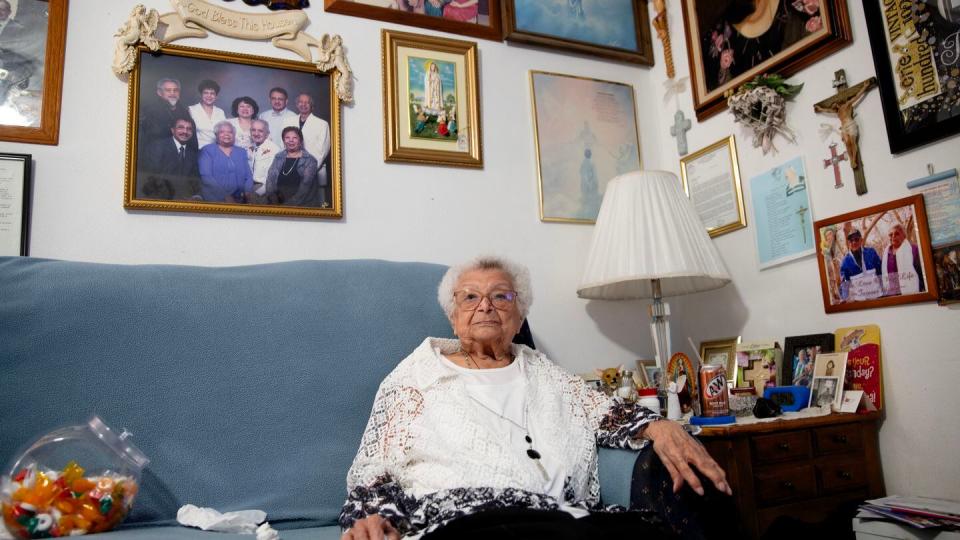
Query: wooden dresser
802	468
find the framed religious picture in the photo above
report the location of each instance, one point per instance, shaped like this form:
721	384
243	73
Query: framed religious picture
14	203
915	52
474	18
947	261
729	42
211	131
876	257
431	106
585	131
721	352
799	355
615	29
711	178
33	37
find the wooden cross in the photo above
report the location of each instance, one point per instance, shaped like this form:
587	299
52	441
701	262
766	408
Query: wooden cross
679	130
834	160
843	104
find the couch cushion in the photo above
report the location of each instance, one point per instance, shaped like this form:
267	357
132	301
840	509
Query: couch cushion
247	387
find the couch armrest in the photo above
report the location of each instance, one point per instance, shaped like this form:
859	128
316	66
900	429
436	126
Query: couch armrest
616	474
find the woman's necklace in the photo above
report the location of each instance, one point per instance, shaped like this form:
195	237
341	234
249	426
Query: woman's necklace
292	165
531	453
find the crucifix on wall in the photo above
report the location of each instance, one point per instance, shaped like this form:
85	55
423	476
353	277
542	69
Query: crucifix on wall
843	104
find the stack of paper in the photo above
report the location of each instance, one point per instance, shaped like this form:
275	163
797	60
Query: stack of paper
921	512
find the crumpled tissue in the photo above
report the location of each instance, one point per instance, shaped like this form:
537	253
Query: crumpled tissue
242	522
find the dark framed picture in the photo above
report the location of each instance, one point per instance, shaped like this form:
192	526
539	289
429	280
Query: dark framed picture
946	259
729	42
826	392
14	204
615	29
799	356
918	71
876	257
33	37
211	131
475	18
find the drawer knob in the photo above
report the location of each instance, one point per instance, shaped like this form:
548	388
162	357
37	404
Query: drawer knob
785	446
844	474
840	439
787	485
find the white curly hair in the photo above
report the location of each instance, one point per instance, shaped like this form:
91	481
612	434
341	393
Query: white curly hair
519	276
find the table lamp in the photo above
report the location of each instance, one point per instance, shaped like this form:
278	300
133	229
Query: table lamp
650	243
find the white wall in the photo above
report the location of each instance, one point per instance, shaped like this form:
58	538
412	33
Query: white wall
402	212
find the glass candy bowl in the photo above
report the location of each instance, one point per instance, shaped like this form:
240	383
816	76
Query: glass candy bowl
74	480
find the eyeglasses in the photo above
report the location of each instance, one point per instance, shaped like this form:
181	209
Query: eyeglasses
499	298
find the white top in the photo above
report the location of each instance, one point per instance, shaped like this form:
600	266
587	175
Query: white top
205	123
279	120
260	159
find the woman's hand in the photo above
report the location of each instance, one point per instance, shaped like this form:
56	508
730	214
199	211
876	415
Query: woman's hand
678	450
372	527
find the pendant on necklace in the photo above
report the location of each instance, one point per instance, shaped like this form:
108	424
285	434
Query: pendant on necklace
531	453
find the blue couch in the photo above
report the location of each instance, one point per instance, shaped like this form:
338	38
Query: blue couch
247	387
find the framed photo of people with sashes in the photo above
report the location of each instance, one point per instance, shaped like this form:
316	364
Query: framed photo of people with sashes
474	18
916	52
876	257
211	131
431	102
729	42
33	37
614	29
585	131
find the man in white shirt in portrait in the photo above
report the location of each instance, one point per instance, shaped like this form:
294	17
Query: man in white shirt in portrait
260	159
316	139
278	116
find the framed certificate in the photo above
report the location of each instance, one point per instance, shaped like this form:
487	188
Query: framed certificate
711	178
14	203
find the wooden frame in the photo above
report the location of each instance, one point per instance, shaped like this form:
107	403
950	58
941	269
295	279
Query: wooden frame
571	181
844	288
48	130
639	26
805	348
15	204
408	137
723	352
702	18
490	30
911	114
149	186
703	163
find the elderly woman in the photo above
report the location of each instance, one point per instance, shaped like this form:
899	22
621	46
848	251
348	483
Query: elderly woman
476	437
224	173
206	114
244	110
292	178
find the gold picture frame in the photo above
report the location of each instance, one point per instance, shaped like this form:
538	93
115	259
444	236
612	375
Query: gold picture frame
150	186
442	128
27	43
711	179
724	352
586	133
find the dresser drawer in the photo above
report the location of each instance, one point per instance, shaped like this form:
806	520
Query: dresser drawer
841	476
785	483
781	447
835	439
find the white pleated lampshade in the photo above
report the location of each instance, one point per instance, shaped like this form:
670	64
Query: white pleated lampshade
648	229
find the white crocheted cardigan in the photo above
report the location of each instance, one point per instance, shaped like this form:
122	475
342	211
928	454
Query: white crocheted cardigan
424	435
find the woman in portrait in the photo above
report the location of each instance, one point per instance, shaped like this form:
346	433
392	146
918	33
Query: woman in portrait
432	89
462	10
830	251
479	438
741	34
205	114
292	178
244	110
224	173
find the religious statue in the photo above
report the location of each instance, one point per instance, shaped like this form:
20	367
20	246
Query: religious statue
139	28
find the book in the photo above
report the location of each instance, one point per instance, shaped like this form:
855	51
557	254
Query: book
862	345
